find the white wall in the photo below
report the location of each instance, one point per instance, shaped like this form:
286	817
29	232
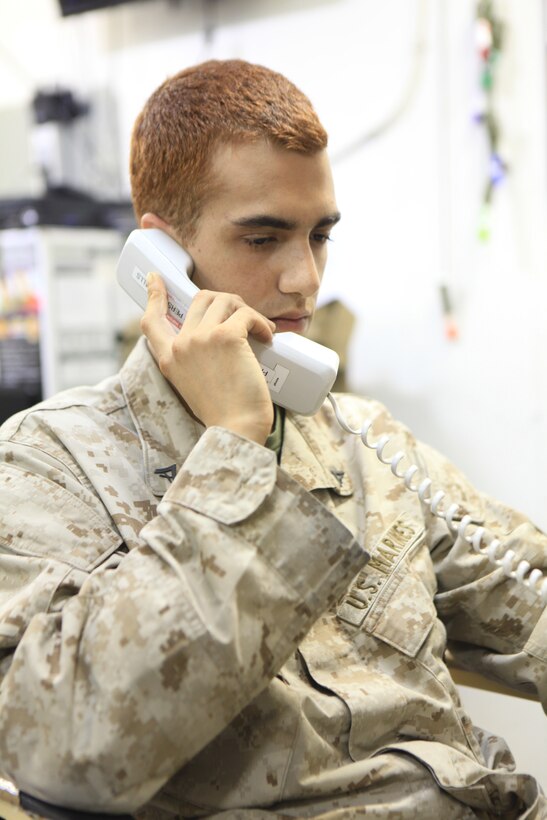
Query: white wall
410	198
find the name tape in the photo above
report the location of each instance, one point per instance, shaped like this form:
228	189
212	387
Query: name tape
386	554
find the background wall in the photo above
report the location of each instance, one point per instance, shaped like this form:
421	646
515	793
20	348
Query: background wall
410	198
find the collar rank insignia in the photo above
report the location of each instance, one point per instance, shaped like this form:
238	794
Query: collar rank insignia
167	472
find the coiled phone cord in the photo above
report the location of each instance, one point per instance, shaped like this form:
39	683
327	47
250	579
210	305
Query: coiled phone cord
480	539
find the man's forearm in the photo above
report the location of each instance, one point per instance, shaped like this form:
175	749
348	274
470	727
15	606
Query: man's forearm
105	700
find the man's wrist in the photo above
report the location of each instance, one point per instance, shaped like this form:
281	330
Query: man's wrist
250	428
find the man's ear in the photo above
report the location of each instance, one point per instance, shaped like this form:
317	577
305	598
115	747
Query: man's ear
150	220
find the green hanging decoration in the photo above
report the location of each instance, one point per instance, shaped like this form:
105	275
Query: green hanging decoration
489	40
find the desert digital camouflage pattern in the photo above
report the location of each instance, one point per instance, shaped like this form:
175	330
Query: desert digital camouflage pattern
187	629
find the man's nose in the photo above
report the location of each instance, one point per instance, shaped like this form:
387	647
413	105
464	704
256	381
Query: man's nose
301	274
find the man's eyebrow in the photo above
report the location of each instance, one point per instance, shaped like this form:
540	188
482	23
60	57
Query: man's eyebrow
269	221
264	221
331	219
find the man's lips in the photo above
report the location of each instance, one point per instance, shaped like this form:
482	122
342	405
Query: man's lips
297	322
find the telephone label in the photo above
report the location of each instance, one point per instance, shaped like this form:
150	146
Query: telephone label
139	277
275	377
176	312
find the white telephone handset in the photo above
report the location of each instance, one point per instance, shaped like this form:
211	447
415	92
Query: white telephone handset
299	372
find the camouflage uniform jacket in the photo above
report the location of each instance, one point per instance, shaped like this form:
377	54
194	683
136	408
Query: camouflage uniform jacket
181	617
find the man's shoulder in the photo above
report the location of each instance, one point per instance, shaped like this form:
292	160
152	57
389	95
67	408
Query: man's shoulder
66	409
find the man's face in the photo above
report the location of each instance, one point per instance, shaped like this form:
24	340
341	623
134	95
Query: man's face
263	233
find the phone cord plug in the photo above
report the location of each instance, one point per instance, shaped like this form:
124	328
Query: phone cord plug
479	538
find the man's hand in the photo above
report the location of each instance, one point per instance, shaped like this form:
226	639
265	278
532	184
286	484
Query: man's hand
209	361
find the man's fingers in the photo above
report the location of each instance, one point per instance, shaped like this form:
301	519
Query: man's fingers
213	340
200	307
210	309
154	325
250	322
207	311
157	295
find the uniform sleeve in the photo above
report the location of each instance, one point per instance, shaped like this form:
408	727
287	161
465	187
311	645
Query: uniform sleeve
495	625
114	678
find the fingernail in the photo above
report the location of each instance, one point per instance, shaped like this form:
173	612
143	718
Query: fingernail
149	279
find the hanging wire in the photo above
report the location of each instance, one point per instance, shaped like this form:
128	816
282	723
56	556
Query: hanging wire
409	93
454	515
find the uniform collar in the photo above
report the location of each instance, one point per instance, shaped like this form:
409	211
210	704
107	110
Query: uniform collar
310	456
168	433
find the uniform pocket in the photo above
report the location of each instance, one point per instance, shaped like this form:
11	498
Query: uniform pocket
404	616
388	600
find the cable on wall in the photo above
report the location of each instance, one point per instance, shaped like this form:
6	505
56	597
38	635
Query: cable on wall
409	93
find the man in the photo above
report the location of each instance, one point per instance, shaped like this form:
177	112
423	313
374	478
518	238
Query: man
187	626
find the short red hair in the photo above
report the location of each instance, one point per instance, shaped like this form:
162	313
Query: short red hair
217	102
